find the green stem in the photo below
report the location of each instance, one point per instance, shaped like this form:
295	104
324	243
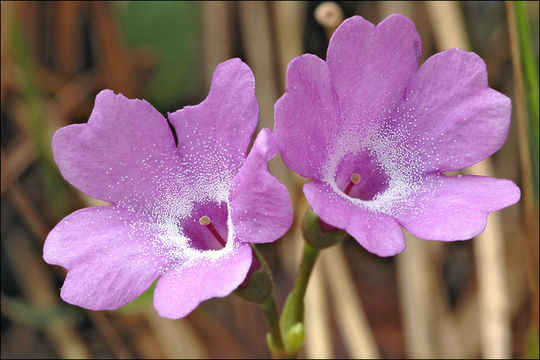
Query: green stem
306	267
292	317
270	313
530	76
259	289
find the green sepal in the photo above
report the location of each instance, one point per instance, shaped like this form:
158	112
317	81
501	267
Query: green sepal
315	236
260	283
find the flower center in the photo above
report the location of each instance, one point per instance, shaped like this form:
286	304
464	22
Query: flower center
205	220
206	227
361	176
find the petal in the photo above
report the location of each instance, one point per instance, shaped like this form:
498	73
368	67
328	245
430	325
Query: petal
182	289
455	207
114	156
261	209
306	121
111	257
371	66
214	135
451	114
377	232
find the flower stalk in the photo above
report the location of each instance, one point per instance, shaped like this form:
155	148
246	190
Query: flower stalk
292	317
258	288
274	339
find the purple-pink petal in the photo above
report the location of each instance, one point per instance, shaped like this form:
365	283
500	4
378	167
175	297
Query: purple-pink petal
306	116
379	233
111	256
182	289
123	149
376	134
370	68
172	214
448	105
213	136
261	209
454	207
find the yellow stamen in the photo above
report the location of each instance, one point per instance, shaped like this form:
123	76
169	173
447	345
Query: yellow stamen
204	220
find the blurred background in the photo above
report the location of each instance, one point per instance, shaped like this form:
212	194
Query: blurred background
475	298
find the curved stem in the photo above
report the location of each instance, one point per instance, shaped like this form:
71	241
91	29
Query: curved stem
292	317
309	257
270	313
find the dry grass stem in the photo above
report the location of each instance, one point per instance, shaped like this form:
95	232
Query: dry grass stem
110	334
23	204
319	339
288	30
67	36
217	24
115	64
16	160
176	337
258	46
38	287
257	40
414	268
350	317
447	24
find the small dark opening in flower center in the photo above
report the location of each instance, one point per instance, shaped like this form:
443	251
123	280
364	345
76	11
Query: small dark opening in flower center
207	227
360	175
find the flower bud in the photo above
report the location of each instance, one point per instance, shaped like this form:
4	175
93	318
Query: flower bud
318	234
294	338
258	284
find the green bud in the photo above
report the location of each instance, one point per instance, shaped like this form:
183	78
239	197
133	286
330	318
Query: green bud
259	284
315	236
294	338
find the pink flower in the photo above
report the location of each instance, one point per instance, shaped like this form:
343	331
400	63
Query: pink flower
185	214
377	134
